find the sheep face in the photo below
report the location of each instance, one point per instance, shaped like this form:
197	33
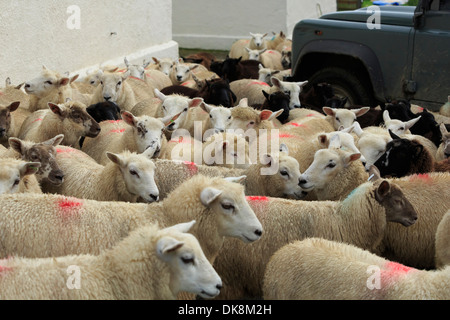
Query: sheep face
75	120
398	127
445	145
176	106
286	59
112	85
137	71
46	82
255	54
13	171
219	117
265	74
190	270
372	147
45	154
148	132
326	165
227	149
234	216
292	89
5	118
258	40
138	172
344	117
182	72
164	65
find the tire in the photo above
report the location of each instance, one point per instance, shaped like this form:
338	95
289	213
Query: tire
345	84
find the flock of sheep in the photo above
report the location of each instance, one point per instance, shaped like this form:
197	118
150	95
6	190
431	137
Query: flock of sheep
101	176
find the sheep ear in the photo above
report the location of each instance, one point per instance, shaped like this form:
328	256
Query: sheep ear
374	173
266	159
165	246
182	227
443	129
412	122
302	84
129	118
16	144
126	75
161	96
335	142
169	119
13	106
195	102
351	157
208	195
382	190
114	158
29	168
359	112
57	109
145	64
74	78
386	116
275	114
329	111
64	81
243	102
235	179
8	82
284	148
56	140
206	107
127	64
323	139
276	82
265	114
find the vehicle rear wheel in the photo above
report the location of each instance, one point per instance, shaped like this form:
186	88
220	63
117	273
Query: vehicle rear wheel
345	84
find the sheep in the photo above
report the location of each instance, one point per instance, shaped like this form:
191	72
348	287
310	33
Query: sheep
286	58
127	177
103	111
219	205
442	255
443	152
276	40
236	69
11	93
283	183
11	119
256	42
17	176
225	149
265	74
151	263
327	173
274	102
252	90
445	109
424	191
397	126
163	64
116	88
182	72
203	58
43	152
69	118
442	166
329	270
343	117
360	219
404	157
135	134
269	58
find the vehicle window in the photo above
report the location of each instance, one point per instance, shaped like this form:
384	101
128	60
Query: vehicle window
444	5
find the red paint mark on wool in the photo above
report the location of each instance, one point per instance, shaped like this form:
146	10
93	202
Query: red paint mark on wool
286	135
69	204
38	119
117	130
261	83
121	70
136	78
295	124
191	166
311	115
393	270
68	150
424	177
113	121
257	198
181	140
4	269
186	83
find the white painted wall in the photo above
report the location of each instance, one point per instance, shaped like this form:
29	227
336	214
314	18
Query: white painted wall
216	24
35	32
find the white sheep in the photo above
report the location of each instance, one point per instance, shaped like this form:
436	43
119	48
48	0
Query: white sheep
343	117
424	191
127	177
217	119
163	64
256	42
11	93
69	225
17	176
11	119
151	263
252	90
69	118
115	87
360	219
182	72
135	134
397	126
283	183
443	242
443	150
330	270
266	74
269	58
226	149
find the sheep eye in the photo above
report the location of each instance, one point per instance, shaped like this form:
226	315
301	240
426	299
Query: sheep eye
101	82
252	122
337	119
187	260
16	182
134	173
185	109
210	116
284	173
287	92
48	82
227	206
402	129
229	118
92	82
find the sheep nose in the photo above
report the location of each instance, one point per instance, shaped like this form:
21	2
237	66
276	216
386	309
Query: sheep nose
154	197
179	78
107	98
59	177
27	85
219	286
302	181
258	232
2	132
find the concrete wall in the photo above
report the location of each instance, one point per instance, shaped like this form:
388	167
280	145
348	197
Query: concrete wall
216	24
37	32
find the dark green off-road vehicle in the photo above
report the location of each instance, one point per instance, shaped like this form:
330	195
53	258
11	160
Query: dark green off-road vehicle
376	54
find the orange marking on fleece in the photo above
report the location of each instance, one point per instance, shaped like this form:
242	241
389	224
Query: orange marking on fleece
117	130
